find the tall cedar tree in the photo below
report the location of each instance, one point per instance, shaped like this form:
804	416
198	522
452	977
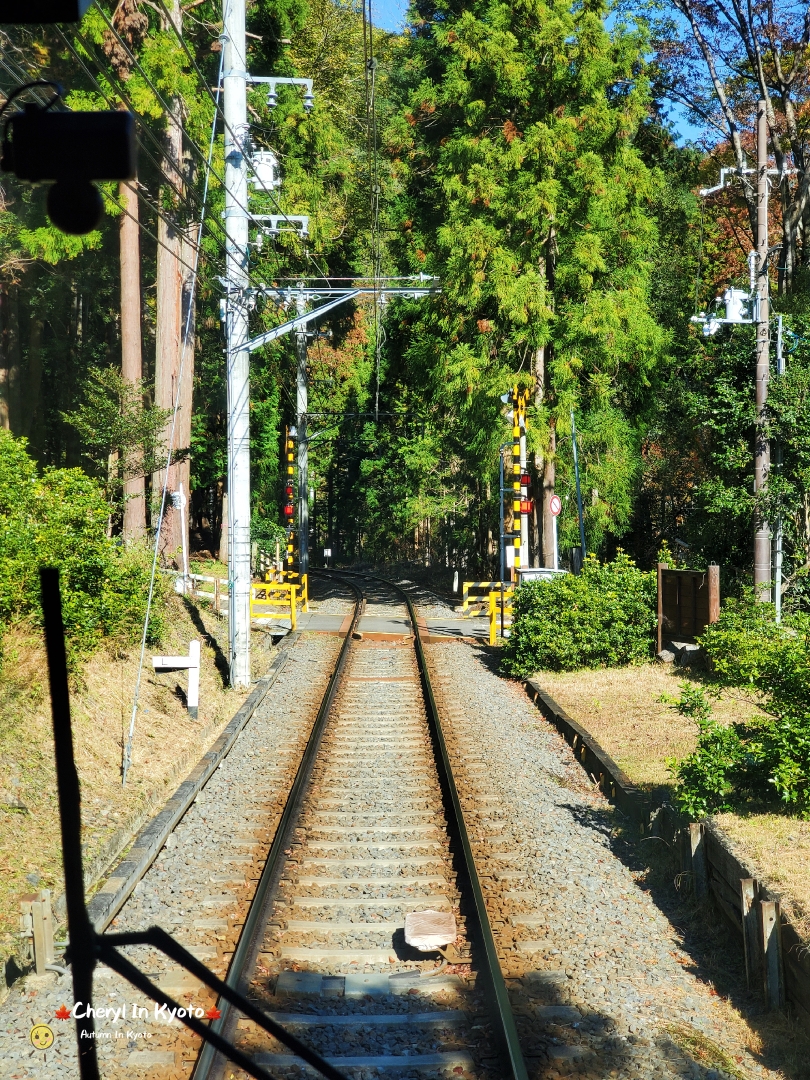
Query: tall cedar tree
525	193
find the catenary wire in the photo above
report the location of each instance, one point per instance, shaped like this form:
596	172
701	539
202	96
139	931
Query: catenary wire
204	83
191	142
184	198
115	201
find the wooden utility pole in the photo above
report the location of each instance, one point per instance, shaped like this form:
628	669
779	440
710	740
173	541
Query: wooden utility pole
169	318
131	346
762	453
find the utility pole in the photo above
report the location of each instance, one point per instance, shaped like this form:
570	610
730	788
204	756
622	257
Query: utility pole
778	539
301	404
762	454
582	547
238	356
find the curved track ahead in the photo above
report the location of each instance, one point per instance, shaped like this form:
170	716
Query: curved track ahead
371	831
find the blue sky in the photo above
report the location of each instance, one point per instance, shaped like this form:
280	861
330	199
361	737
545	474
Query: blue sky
389	14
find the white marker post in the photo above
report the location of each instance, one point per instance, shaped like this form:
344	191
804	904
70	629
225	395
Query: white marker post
180	663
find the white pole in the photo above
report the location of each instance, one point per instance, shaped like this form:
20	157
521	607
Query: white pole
184	534
236	225
556	548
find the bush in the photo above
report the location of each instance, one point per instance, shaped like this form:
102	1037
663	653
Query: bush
602	617
706	778
767	757
60	519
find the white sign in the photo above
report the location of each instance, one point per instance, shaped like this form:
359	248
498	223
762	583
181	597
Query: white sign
555	504
327	553
180	663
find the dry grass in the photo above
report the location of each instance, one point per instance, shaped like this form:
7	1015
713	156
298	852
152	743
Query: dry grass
704	1050
777	850
166	744
621	708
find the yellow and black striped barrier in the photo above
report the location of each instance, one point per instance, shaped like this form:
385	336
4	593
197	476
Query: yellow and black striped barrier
500	610
274	594
476	604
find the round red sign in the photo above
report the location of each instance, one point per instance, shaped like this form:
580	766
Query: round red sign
555	504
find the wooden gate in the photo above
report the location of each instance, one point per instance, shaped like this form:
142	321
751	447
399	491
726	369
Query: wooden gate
688	600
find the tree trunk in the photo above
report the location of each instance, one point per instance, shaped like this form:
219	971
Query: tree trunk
4	424
34	412
134	527
549	480
14	377
168	336
185	384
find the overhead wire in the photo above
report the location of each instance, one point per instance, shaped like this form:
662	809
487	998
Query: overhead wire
208	90
164	104
183	197
22	74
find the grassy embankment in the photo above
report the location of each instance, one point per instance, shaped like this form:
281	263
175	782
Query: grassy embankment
621	708
167	743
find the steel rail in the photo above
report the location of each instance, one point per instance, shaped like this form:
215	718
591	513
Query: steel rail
501	1007
87	947
211	1063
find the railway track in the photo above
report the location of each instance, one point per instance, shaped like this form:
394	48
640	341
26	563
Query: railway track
295	873
372	835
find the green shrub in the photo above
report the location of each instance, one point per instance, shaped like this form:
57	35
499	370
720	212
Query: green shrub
767	757
602	617
60	519
706	778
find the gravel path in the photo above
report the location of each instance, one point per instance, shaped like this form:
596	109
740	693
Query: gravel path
597	973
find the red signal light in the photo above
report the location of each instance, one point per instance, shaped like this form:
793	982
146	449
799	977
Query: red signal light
288	511
525	480
525	506
288	491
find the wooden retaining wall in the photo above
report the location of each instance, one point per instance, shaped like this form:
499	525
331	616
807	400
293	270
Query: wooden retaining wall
777	958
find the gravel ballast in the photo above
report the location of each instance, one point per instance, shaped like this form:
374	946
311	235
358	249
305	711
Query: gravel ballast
597	973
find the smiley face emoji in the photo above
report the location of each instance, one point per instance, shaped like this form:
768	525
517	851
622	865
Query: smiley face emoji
41	1036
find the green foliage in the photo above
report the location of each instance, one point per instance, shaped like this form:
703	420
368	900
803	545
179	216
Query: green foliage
122	437
267	534
60	519
767	758
706	778
603	617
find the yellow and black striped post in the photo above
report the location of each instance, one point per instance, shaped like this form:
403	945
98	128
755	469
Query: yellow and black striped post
520	490
289	506
517	399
